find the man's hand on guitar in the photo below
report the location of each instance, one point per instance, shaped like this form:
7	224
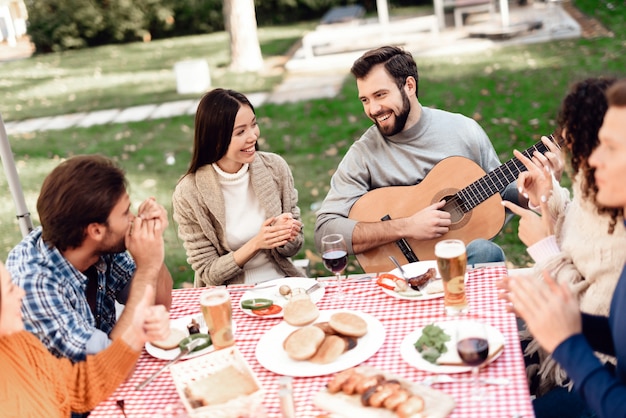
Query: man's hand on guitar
429	223
532	227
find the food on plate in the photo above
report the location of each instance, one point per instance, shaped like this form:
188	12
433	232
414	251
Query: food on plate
391	282
193	327
413	287
432	343
284	290
257	303
349	324
321	343
302	344
331	348
220	387
377	391
175	336
418	281
325	326
300	312
270	310
185	341
435	286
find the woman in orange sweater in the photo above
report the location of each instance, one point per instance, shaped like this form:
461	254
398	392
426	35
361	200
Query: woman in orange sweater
34	383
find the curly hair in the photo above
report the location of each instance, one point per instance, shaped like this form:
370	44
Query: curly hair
579	120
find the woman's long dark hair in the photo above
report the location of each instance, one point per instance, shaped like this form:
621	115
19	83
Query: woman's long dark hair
215	119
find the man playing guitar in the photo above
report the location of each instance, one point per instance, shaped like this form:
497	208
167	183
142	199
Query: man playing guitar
403	146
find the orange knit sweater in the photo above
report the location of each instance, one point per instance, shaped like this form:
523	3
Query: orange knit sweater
34	383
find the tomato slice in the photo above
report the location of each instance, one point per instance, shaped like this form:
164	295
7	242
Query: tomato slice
390	281
272	310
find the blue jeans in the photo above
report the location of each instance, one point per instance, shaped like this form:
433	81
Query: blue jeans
484	251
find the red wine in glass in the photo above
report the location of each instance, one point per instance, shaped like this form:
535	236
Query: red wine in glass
473	351
335	256
335	261
472	345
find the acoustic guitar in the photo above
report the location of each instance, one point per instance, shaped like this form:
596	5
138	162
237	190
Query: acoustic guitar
476	210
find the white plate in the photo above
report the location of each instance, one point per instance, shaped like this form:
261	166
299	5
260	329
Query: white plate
412	270
414	358
273	294
181	323
272	356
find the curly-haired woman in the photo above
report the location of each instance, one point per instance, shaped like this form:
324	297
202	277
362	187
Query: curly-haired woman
577	240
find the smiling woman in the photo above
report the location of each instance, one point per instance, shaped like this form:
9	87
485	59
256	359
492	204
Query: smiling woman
236	207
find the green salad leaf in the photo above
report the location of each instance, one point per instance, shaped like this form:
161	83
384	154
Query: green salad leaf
432	343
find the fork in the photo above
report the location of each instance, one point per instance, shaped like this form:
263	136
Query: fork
183	351
444	378
246	289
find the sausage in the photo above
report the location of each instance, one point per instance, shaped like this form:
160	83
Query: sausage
338	380
365	397
349	385
413	405
384	391
396	399
368	382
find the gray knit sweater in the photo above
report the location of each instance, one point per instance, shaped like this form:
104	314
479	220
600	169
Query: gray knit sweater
198	209
401	160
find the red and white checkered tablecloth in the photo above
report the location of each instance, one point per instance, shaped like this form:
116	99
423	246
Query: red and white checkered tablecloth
399	317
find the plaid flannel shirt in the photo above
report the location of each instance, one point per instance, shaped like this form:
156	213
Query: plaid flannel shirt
55	307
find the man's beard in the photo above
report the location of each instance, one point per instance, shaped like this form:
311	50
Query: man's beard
113	247
401	118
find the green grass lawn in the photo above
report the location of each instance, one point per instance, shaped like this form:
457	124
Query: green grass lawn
513	92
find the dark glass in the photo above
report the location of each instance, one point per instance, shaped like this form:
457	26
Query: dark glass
473	351
335	261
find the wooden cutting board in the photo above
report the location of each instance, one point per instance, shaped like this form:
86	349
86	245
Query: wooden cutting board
437	404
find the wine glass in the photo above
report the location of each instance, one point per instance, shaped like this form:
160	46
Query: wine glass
472	344
335	256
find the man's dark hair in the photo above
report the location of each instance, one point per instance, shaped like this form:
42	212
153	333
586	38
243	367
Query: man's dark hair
79	191
616	94
398	63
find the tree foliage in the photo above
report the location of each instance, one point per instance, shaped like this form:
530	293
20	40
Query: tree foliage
57	25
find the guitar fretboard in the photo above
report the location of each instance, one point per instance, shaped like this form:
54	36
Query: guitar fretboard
495	181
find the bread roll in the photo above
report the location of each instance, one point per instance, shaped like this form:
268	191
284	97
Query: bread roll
300	312
332	347
349	324
302	344
176	336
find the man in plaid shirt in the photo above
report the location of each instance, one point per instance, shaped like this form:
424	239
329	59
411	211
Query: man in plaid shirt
89	252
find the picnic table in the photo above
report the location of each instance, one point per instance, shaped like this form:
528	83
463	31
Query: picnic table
399	319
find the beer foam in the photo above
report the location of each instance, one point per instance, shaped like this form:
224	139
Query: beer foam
449	249
214	297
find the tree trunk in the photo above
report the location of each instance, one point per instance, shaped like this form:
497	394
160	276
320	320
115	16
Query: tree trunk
240	23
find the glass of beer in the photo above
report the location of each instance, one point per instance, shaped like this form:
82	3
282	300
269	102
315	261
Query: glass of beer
452	265
217	312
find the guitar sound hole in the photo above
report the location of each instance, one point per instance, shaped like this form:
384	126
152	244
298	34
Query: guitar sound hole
454	208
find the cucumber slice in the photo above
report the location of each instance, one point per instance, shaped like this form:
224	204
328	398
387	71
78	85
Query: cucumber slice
183	343
258	303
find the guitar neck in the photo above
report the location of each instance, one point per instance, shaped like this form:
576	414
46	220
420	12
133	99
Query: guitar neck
495	181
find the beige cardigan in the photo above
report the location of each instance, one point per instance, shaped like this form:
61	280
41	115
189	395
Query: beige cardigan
198	209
